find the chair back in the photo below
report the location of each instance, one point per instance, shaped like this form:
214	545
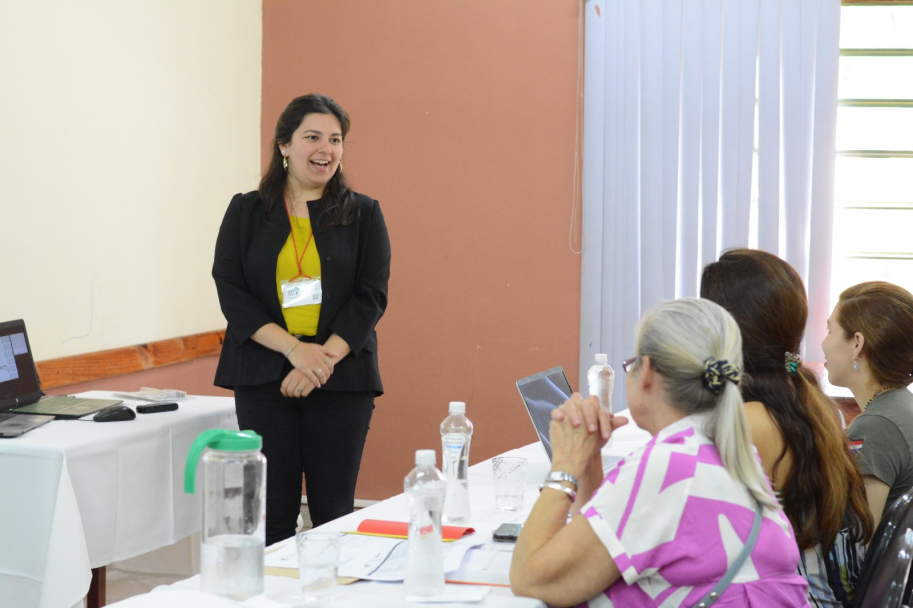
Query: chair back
885	572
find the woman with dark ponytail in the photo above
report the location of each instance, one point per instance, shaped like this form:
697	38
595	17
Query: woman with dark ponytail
794	426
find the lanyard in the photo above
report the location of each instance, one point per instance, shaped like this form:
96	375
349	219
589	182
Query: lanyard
295	243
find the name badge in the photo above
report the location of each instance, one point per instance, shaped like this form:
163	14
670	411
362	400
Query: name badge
301	292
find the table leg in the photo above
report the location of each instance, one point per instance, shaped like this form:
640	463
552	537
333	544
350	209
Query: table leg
96	597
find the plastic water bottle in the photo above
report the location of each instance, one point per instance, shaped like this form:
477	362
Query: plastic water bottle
456	434
424	487
600	379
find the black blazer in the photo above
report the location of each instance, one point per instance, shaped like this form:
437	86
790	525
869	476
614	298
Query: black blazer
355	268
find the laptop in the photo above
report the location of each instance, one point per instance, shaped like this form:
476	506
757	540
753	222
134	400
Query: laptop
20	392
542	393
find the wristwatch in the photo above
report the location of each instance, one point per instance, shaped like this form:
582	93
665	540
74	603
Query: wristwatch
559	476
554	485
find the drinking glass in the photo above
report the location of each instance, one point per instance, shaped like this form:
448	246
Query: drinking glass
510	482
318	561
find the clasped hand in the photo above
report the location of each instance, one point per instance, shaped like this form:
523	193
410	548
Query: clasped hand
579	430
313	365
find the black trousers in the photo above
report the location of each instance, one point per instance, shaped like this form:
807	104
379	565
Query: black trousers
322	435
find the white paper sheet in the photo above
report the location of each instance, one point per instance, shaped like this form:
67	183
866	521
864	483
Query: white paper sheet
485	564
372	558
453	594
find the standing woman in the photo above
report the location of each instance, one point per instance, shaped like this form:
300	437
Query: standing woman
794	426
301	268
869	349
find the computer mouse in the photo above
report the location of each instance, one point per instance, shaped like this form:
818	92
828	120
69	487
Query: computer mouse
113	413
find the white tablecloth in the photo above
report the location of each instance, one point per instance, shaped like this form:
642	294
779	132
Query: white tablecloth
485	519
77	494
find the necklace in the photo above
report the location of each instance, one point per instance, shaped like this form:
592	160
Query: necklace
880	391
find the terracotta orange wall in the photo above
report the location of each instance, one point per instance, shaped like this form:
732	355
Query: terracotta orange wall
463	116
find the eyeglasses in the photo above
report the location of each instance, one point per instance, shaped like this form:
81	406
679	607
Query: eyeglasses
627	363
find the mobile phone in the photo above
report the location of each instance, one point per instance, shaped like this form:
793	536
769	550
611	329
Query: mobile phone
151	408
507	533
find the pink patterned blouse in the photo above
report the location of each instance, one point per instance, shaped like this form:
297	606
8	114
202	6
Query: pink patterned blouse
673	520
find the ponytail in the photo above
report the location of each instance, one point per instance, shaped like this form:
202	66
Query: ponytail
824	488
728	428
697	351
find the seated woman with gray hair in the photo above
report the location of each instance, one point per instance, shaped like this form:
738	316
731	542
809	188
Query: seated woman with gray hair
687	520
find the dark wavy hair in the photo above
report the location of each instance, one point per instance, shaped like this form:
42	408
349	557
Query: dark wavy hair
339	201
883	313
823	490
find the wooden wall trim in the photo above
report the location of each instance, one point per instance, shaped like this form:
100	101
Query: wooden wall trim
878	2
65	371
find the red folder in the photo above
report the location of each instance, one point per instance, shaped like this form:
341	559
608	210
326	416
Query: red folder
400	529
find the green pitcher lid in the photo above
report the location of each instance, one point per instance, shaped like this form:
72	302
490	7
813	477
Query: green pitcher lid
217	439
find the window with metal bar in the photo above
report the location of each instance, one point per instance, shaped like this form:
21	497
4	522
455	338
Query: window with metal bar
873	215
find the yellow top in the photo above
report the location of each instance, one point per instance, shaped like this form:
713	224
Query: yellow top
299	319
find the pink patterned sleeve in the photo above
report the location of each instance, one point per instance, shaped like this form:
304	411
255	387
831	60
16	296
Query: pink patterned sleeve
637	509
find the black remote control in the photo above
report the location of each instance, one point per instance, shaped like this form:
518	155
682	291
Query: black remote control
151	408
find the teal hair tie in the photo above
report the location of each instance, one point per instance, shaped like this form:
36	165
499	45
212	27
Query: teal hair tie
793	361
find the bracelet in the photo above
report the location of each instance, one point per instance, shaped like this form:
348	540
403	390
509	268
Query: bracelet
291	349
551	485
563	476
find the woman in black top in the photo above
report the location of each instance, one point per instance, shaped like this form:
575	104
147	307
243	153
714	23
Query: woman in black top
300	348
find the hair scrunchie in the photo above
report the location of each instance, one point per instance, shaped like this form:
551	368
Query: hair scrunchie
717	372
793	361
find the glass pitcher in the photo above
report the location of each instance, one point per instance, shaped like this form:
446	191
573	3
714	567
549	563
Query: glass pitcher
234	511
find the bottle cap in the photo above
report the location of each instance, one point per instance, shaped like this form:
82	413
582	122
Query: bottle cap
457	407
425	457
602	359
217	439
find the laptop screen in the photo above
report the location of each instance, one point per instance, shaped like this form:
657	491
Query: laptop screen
542	393
18	379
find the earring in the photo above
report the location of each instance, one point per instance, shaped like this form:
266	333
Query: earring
855	365
340	166
285	162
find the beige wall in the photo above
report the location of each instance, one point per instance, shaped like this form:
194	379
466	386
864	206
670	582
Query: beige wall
126	126
463	127
463	117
